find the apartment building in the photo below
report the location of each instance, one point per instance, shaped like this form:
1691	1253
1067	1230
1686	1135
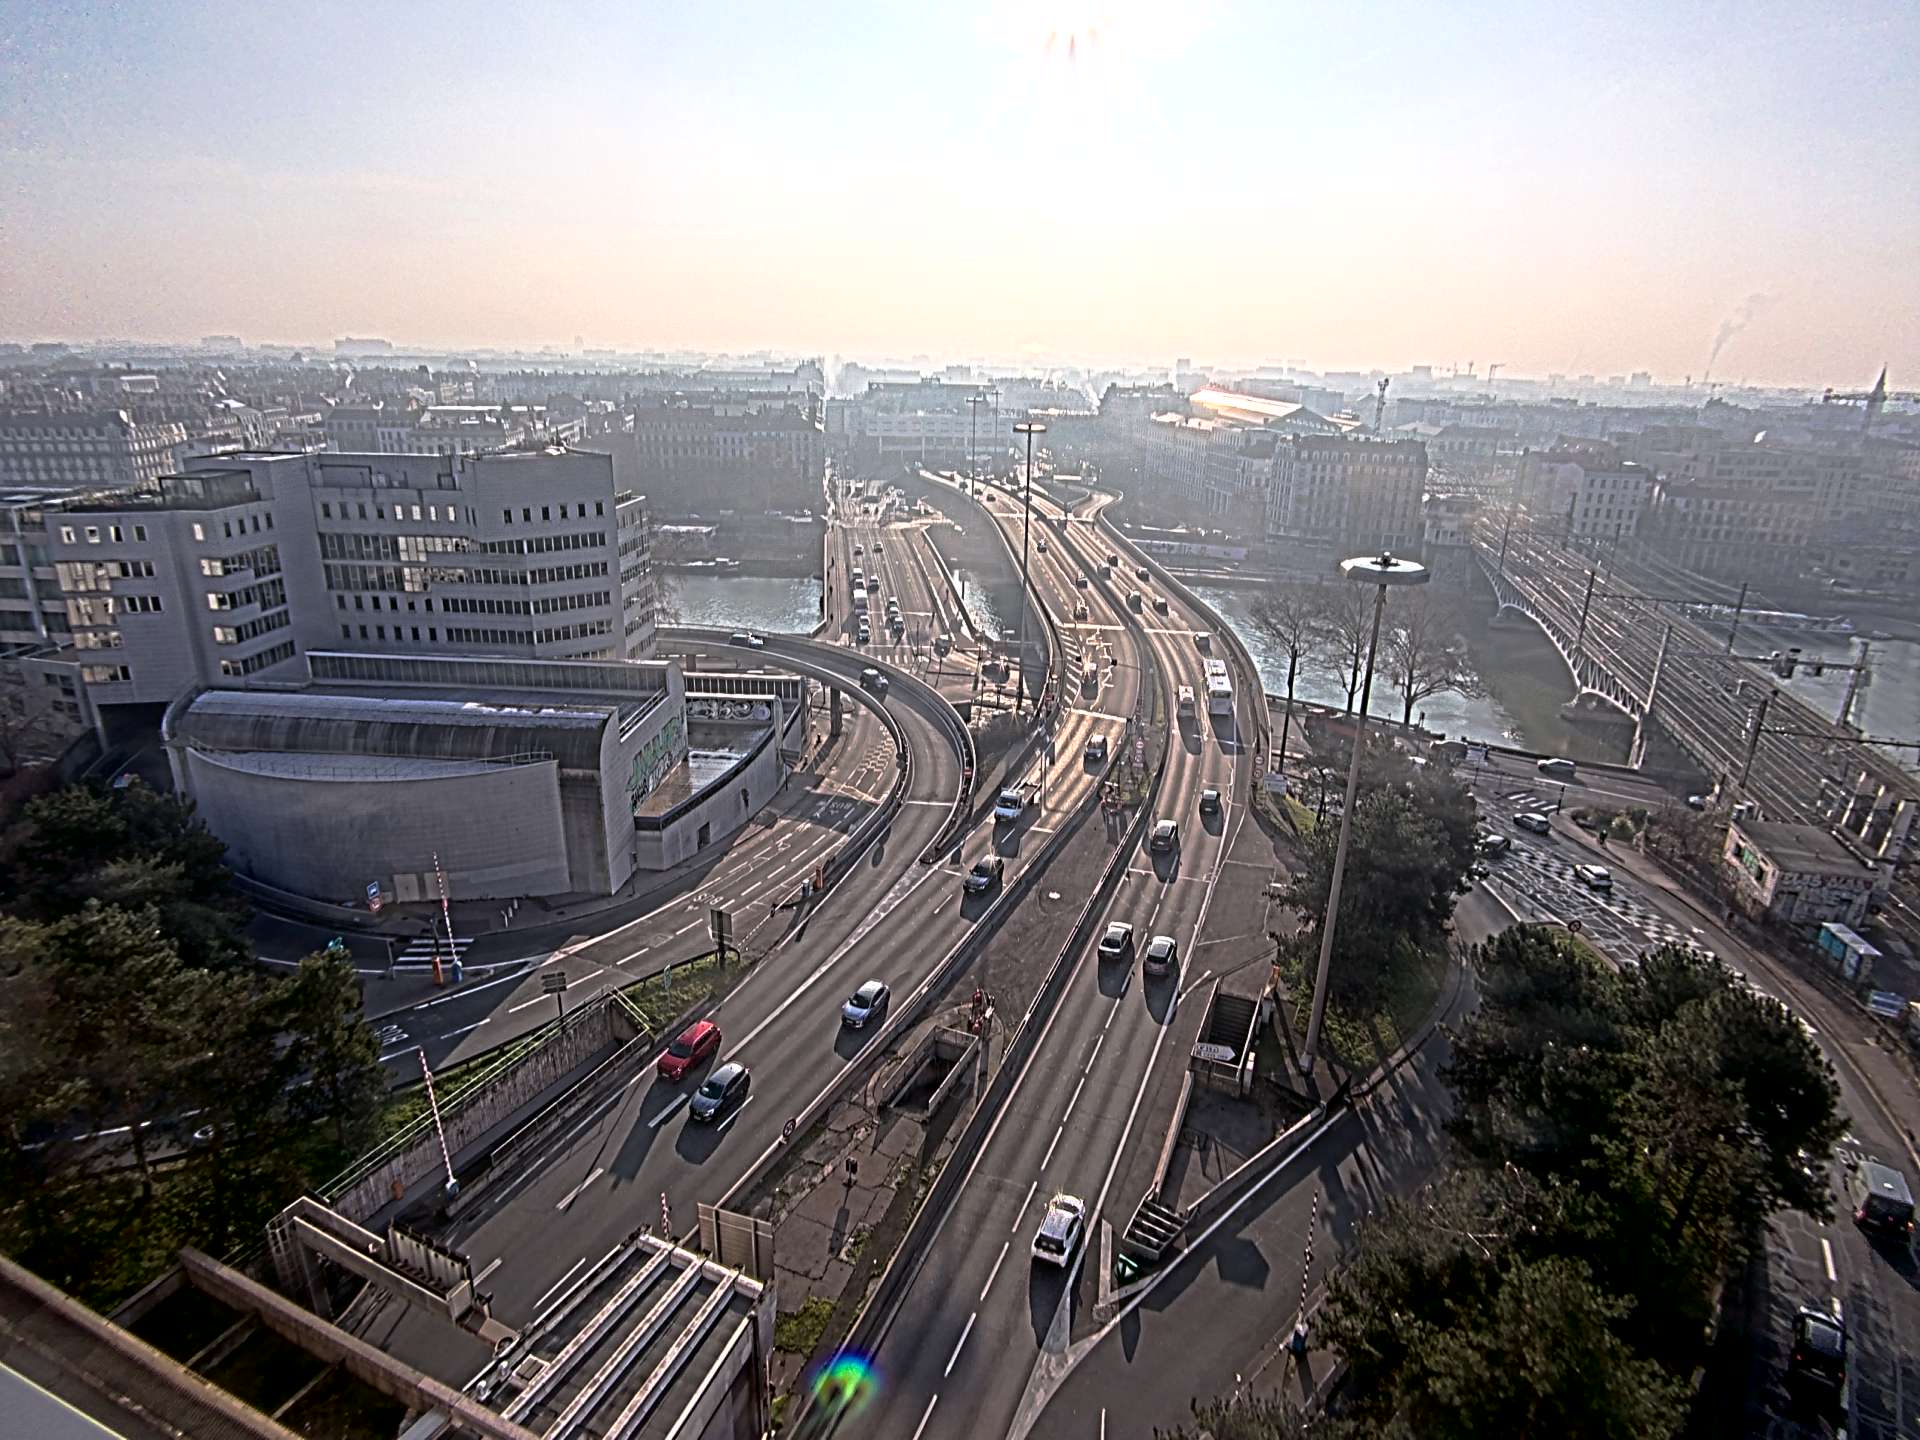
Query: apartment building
232	570
1586	492
1333	496
85	450
1752	510
697	453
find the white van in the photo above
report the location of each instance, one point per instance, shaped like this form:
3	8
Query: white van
1186	700
1556	769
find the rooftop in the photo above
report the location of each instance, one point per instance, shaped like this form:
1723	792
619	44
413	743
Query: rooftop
1802	849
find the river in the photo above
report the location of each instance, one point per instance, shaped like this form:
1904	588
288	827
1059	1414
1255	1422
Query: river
746	602
1448	714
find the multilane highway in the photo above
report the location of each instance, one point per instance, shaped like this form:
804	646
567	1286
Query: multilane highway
956	1357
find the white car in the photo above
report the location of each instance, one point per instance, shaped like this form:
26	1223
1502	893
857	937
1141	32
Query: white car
1538	824
1594	877
1117	941
1059	1232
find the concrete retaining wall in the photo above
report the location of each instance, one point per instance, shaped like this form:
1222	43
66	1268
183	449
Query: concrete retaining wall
587	1033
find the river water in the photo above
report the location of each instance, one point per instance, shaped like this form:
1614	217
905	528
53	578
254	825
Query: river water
1477	719
746	602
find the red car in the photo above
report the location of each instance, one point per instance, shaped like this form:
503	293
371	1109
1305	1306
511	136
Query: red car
695	1044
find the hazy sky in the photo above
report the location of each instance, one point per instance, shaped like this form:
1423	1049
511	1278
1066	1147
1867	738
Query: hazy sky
1556	187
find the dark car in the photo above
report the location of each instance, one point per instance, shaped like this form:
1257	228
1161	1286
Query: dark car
1079	582
987	872
942	645
1209	802
1140	572
1097	750
1165	836
866	1002
695	1044
1818	1359
724	1092
1162	954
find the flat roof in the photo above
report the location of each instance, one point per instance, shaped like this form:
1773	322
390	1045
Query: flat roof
1802	849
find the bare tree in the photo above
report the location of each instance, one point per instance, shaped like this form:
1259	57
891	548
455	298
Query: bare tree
1288	617
1345	624
1425	654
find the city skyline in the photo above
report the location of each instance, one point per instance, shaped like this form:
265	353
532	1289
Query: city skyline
1601	193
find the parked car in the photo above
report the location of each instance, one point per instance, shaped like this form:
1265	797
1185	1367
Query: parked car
724	1092
987	872
1163	953
1594	877
1209	802
1060	1230
1165	836
1117	941
865	1003
1538	824
1097	750
695	1044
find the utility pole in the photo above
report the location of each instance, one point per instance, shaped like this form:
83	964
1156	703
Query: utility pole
1512	505
1853	686
1753	738
974	402
1586	603
1028	428
1738	606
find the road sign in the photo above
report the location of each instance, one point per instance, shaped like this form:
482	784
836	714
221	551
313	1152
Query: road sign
1221	1054
717	925
374	900
1139	752
786	1130
554	982
1573	927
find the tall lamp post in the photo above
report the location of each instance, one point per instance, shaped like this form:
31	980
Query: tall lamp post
1385	572
1028	428
974	402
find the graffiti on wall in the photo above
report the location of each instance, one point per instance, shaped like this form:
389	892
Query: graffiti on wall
714	708
657	757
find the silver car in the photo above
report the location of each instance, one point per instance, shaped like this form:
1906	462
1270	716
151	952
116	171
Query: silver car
866	1002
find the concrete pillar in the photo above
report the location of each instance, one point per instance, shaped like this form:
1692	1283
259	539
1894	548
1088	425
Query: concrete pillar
834	704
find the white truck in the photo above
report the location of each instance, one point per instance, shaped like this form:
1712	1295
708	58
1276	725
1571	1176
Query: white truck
1013	802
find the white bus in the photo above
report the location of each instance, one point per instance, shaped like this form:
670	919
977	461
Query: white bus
1219	687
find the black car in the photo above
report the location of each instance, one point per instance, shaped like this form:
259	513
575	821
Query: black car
1818	1360
987	872
1209	802
724	1092
1165	837
1140	572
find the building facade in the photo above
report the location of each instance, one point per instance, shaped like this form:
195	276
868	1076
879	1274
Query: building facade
1585	493
700	453
1796	874
1338	495
230	571
85	450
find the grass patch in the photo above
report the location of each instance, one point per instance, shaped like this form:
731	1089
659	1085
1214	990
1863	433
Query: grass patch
1302	819
798	1331
661	998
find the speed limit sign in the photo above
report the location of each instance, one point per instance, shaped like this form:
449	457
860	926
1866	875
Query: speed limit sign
786	1130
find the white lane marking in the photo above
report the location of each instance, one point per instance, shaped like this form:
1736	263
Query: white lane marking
656	1121
993	1274
390	1055
1836	1309
1050	1144
1035	1185
548	1293
464	1029
1073	1102
574	1194
1826	1253
1113	1010
963	1340
1103	1423
925	1416
1098	1041
736	1114
902	888
496	1263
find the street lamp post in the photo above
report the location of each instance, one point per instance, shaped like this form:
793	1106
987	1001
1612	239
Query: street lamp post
1385	572
974	402
1028	428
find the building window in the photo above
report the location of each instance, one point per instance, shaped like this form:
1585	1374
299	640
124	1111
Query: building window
199	531
507	516
346	632
67	535
363	632
546	512
326	510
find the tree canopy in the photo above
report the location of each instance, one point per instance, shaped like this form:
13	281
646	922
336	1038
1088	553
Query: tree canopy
158	1089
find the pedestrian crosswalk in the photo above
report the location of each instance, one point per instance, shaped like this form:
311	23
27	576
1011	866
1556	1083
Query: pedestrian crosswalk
1616	920
422	949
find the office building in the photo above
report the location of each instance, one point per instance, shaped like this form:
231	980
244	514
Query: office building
231	570
1584	492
